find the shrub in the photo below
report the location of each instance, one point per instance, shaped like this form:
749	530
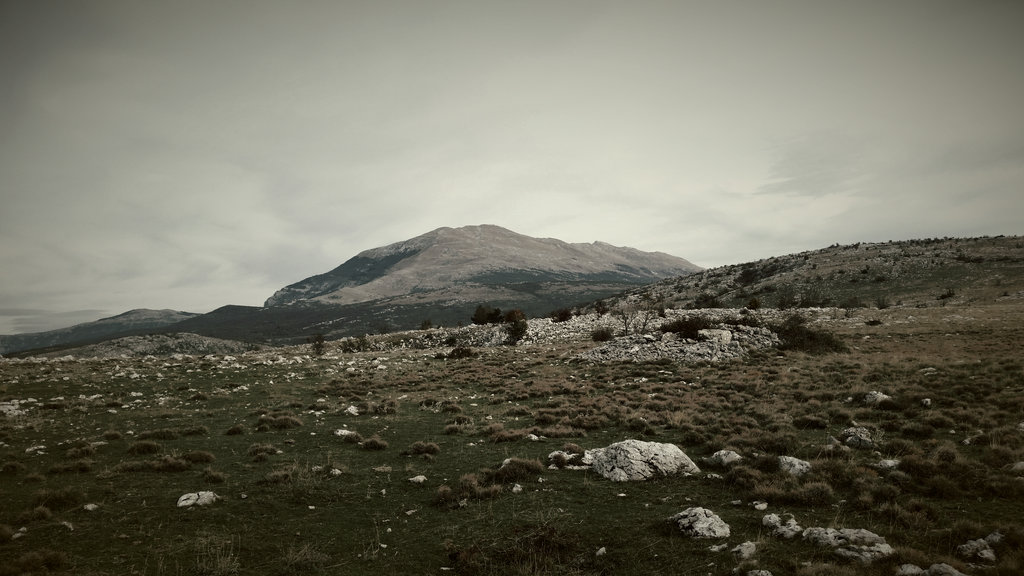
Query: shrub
144	447
423	448
687	327
796	335
235	430
516	326
561	315
514	470
602	334
375	443
160	434
59	499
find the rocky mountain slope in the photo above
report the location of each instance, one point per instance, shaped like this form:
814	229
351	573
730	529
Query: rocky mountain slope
912	273
137	321
473	258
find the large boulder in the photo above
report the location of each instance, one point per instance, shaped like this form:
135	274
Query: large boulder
700	522
637	460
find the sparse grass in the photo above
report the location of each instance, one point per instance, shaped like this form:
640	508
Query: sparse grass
303	481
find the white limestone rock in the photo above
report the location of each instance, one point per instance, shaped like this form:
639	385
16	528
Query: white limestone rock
979	549
419	479
202	498
854	544
632	460
714	335
794	466
858	437
698	522
744	551
724	458
874	397
788	529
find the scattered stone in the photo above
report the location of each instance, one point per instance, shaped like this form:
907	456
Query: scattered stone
1017	467
718	547
888	465
569	461
933	570
855	544
979	549
517	489
91	507
759	573
724	458
714	335
352	411
744	551
857	437
926	402
759	505
794	466
601	551
420	479
789	529
202	498
699	522
874	397
632	460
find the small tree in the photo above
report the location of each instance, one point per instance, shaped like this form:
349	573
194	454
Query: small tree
317	344
484	314
516	326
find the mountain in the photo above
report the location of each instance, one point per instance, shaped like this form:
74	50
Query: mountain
450	261
137	321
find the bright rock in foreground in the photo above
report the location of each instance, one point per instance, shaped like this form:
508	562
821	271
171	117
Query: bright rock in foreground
204	498
637	460
701	523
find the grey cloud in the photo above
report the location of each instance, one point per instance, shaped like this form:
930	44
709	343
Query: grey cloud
816	165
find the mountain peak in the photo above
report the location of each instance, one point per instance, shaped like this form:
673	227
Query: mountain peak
485	254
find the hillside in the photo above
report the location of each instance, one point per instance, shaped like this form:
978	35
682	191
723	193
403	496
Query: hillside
912	273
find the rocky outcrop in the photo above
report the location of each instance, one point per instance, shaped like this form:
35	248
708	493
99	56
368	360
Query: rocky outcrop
632	460
857	437
700	522
856	544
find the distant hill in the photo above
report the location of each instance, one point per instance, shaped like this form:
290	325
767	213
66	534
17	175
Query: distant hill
928	272
137	321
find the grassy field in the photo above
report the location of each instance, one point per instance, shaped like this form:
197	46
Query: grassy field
297	497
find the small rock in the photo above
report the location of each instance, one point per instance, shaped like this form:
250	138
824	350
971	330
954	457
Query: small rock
888	465
759	505
926	402
352	411
701	523
979	549
943	570
759	573
857	544
91	507
744	551
910	570
517	489
724	458
202	498
789	529
874	397
858	437
418	479
794	466
601	551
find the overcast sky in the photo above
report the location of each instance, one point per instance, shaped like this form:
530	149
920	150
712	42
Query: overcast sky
187	155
